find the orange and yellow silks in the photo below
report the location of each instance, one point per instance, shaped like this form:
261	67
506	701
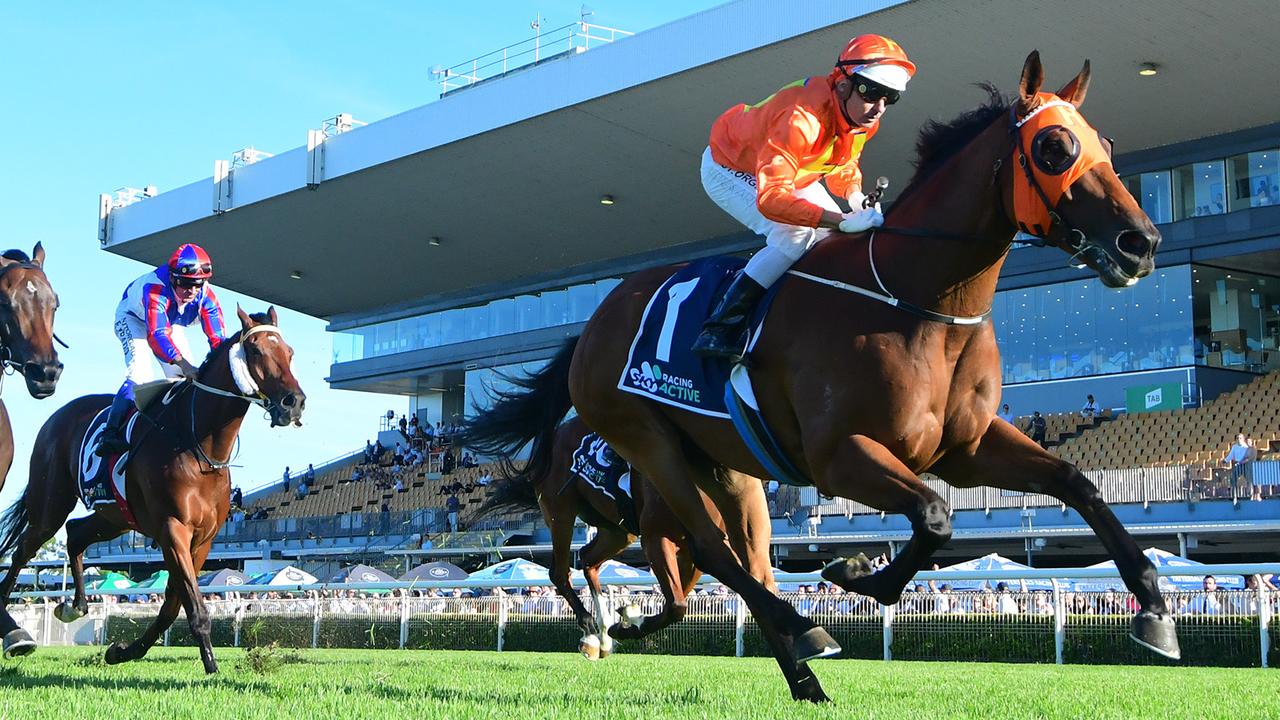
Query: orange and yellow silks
1032	211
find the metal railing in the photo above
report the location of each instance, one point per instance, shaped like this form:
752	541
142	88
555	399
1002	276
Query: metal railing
559	42
1231	627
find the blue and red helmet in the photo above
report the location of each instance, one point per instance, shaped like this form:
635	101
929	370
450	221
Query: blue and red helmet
192	262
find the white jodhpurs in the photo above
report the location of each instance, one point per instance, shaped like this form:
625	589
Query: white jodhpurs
735	192
139	368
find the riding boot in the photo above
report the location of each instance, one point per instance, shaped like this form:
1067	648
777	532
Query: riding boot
113	439
722	332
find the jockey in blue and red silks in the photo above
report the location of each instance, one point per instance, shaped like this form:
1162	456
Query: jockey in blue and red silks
149	321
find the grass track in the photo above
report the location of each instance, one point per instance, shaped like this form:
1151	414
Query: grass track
71	684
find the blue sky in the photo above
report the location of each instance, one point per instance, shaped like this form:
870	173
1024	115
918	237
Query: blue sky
100	96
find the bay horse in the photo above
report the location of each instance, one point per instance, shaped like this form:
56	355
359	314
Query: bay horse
547	482
177	482
879	361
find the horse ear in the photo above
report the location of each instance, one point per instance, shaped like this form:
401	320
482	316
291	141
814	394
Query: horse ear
1074	91
37	255
1029	85
271	315
245	321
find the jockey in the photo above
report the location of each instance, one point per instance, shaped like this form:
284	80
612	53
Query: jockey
765	160
154	306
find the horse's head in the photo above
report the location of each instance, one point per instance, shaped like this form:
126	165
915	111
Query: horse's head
27	305
268	360
1065	188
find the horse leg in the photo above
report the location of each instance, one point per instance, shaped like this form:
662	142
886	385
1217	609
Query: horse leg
186	563
560	521
608	542
14	640
746	522
122	652
661	458
1005	458
666	568
81	533
864	470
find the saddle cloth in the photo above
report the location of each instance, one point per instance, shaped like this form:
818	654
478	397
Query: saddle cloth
596	464
660	365
102	479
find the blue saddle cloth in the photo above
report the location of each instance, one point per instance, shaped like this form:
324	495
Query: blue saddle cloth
604	470
661	365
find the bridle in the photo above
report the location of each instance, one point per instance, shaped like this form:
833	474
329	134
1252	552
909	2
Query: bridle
1071	238
251	395
9	366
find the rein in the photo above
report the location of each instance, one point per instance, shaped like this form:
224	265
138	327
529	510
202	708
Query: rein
254	398
1074	239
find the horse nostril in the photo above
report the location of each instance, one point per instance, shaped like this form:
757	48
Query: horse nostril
289	400
1136	242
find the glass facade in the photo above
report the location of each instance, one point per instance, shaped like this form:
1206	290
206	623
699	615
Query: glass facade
1236	319
1080	328
500	317
1211	187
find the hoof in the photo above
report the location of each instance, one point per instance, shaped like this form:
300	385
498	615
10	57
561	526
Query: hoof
630	615
589	646
809	690
619	631
1156	633
815	644
843	570
18	643
115	653
66	612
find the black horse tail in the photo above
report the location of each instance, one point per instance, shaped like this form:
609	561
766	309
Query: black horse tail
509	494
14	523
529	413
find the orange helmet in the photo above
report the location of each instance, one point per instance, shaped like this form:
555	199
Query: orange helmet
878	59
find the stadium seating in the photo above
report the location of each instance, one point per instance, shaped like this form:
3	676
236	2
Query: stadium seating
1181	437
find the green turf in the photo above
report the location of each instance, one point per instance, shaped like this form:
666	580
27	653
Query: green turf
72	684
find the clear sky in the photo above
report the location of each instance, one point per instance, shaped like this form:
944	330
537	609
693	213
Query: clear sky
101	96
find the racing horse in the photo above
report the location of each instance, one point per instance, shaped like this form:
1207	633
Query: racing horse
879	361
548	482
177	481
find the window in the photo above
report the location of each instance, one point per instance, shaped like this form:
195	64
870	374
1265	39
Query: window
1200	189
1254	179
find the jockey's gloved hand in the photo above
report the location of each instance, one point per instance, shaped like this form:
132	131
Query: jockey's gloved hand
862	220
856	199
189	371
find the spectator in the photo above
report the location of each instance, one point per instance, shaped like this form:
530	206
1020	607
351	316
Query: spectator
452	505
285	479
1207	602
1006	414
1237	458
404	426
369	456
302	490
468	460
771	489
1090	409
398	456
448	463
309	477
485	479
1037	428
237	498
399	486
1005	602
356	474
413	423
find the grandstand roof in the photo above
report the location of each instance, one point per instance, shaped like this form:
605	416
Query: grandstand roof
629	119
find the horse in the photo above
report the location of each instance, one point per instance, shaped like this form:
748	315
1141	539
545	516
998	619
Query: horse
177	480
875	367
547	482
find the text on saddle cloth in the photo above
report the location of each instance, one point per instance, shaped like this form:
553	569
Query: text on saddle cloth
102	480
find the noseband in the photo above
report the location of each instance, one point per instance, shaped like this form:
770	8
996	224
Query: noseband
248	392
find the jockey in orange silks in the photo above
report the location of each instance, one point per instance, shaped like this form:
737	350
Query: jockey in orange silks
765	160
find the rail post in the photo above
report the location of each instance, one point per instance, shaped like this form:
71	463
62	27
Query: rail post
1264	620
404	618
502	620
315	625
1059	622
886	613
739	626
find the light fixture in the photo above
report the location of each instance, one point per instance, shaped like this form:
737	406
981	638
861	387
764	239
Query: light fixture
606	199
1147	69
434	241
296	274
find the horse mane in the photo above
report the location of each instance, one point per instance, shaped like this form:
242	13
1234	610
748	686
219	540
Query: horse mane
18	255
938	141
